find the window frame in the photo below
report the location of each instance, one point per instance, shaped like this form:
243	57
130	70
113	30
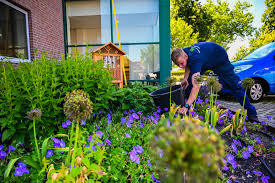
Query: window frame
14	59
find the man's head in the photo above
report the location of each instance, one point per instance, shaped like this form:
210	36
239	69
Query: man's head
179	57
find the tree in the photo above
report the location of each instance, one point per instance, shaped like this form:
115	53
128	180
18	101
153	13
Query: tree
266	34
182	34
268	17
215	21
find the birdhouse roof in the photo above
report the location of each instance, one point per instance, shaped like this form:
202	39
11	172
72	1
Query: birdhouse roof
109	48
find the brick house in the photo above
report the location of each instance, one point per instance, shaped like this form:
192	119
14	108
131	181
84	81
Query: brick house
63	26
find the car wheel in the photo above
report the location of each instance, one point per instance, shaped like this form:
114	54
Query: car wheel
256	92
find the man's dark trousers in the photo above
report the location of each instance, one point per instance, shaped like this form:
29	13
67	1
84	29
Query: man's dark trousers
231	81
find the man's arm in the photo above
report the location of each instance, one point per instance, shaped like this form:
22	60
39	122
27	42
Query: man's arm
186	75
193	94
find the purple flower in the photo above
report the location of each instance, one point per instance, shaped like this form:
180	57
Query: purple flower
108	142
166	109
3	154
91	139
11	148
83	123
127	135
154	178
141	125
250	149
138	149
234	147
200	117
230	158
139	112
225	168
265	179
128	124
247	172
100	144
49	153
268	117
237	142
159	110
109	120
18	172
206	100
258	140
234	164
245	154
64	125
258	173
99	133
130	118
149	163
68	122
229	181
134	157
1	146
135	116
123	120
21	169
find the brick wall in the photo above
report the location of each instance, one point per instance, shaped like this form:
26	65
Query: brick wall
45	24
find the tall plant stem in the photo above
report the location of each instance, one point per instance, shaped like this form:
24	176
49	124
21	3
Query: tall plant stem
35	140
75	144
196	98
68	160
243	101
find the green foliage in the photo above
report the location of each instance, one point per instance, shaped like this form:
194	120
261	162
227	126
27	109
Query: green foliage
133	96
265	35
268	18
42	84
189	150
215	21
86	165
182	34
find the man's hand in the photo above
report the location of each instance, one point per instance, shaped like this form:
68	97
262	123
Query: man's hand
182	110
185	83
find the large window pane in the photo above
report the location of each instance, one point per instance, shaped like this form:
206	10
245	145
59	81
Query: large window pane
13	32
143	60
88	22
138	21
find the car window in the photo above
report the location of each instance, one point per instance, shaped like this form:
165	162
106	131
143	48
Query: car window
261	52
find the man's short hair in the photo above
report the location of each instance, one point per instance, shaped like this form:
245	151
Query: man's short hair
176	53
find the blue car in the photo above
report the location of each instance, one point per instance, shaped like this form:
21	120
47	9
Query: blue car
259	65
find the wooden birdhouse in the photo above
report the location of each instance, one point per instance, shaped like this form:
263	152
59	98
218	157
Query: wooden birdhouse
111	55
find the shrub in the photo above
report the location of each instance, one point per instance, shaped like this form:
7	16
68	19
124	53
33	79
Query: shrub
42	84
134	96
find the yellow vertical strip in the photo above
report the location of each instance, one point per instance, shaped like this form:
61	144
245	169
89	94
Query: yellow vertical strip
123	69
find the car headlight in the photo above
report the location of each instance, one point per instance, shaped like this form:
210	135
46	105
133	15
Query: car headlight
242	68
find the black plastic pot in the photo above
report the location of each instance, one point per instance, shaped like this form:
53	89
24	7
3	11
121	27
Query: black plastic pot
161	96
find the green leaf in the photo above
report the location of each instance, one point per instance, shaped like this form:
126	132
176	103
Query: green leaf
60	149
9	167
44	146
31	162
7	133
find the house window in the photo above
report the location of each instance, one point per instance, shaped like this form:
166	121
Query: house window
14	35
88	22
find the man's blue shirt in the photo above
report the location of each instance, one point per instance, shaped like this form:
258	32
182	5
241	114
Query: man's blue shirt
205	56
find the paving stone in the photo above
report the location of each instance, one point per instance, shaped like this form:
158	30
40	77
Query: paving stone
267	107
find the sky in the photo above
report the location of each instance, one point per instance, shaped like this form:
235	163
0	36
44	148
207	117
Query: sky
257	10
